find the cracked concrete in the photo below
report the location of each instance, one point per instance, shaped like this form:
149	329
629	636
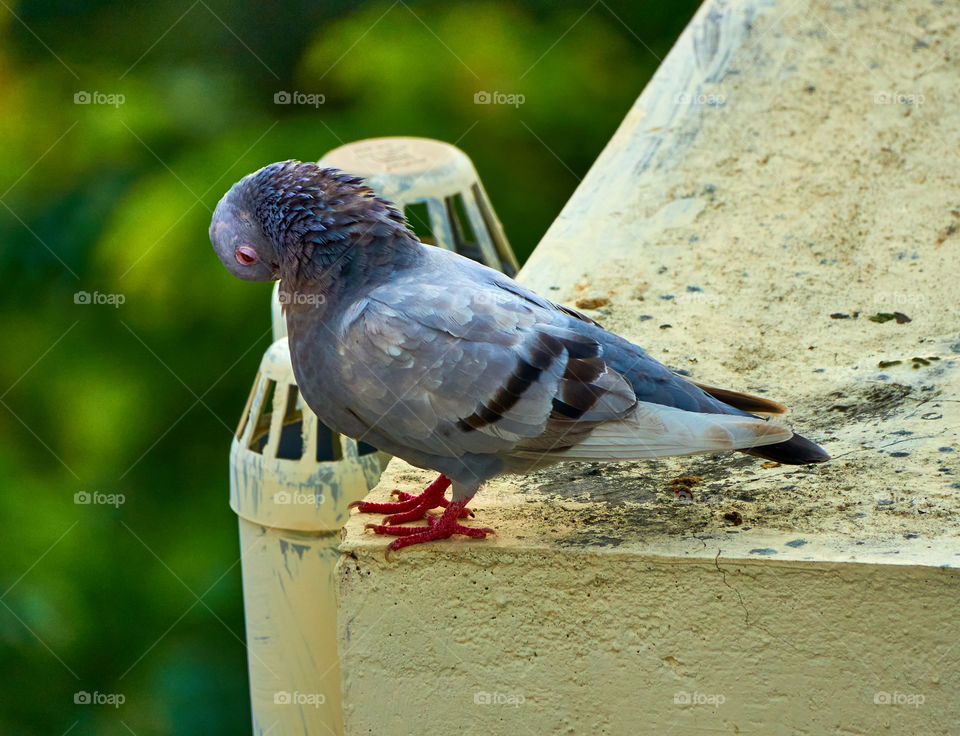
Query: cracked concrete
746	611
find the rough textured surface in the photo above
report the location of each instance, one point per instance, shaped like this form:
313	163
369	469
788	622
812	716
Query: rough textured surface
553	641
787	175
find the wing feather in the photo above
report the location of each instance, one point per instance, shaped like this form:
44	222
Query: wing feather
453	358
474	370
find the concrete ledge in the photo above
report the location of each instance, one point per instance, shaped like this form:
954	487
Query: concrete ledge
565	634
785	177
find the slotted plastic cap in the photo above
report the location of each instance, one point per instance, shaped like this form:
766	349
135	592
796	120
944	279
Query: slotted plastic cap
287	469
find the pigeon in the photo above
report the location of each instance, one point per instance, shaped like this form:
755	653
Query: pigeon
453	366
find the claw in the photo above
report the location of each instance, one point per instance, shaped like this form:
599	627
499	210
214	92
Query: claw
410	507
437	528
370	507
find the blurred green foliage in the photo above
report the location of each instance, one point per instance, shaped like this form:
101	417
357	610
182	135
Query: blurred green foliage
140	399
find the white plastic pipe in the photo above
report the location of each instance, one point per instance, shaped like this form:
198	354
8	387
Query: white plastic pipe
291	481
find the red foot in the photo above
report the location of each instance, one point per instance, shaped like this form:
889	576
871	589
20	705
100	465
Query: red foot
443	502
410	507
440	528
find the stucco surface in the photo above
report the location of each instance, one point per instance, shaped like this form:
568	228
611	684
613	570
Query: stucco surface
790	172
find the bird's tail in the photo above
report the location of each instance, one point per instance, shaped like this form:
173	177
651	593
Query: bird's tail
797	450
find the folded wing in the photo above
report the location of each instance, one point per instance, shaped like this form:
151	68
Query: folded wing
450	368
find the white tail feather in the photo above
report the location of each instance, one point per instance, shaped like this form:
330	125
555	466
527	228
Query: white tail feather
654	430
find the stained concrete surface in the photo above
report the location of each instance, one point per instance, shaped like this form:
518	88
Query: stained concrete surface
777	214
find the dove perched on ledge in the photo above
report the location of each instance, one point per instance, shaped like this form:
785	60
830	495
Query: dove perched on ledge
451	365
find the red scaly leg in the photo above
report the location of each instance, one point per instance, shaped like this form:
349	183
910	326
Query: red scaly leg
404	496
441	528
410	507
430	496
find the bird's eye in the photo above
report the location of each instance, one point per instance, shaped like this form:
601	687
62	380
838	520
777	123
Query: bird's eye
245	255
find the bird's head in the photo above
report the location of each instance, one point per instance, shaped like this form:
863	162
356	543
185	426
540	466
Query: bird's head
294	219
239	239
